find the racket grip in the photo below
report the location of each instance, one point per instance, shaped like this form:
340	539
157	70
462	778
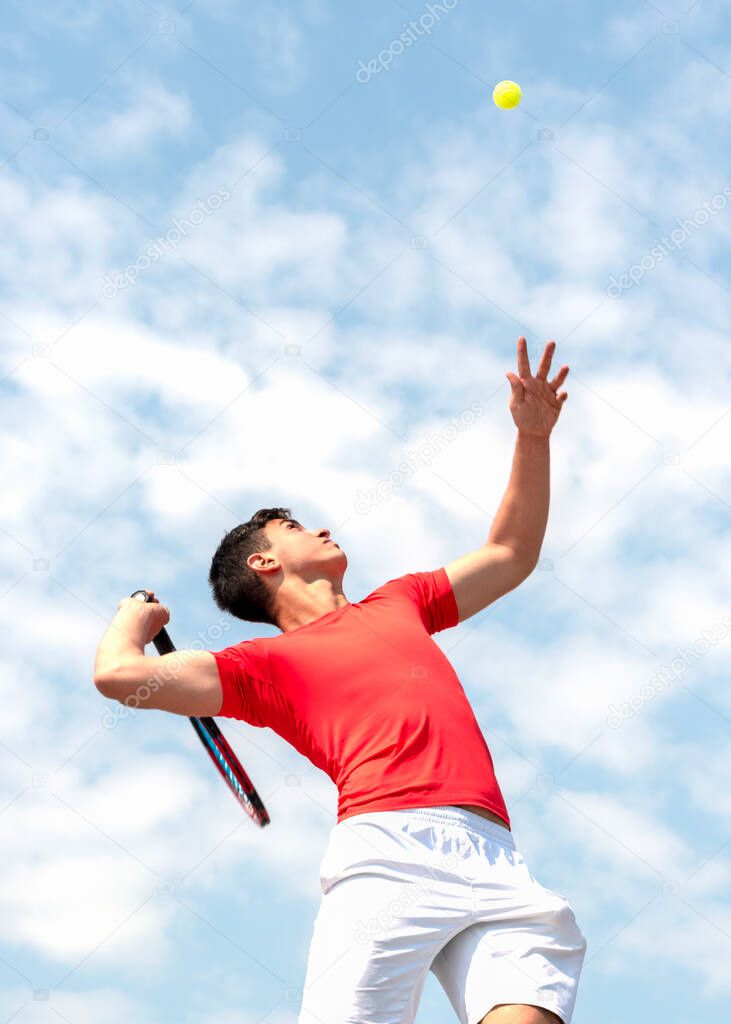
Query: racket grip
162	642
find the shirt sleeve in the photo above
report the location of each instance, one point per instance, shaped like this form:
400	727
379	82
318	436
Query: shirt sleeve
244	691
432	594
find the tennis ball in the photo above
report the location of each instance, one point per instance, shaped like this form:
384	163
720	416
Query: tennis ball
507	95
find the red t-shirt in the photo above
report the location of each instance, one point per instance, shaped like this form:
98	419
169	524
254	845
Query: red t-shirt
367	696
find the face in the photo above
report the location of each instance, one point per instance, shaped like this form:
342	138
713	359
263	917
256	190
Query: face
310	554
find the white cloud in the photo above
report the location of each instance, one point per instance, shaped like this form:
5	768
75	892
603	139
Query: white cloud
85	1006
71	15
279	49
152	114
702	777
682	938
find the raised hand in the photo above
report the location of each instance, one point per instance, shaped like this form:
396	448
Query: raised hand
535	403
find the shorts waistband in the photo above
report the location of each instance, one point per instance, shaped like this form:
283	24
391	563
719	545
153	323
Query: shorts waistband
449	815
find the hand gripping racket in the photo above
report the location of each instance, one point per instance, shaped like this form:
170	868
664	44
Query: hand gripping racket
215	744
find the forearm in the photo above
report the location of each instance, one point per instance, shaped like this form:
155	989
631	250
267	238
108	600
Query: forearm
521	518
122	641
170	681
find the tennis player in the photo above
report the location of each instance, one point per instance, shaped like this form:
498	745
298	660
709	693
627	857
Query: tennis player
421	871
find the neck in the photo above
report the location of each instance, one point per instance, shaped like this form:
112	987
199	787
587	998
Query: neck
298	603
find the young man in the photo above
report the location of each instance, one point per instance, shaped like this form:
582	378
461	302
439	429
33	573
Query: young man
421	870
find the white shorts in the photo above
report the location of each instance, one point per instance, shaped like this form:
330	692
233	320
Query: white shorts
440	889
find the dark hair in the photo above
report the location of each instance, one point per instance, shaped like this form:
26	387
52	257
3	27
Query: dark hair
237	589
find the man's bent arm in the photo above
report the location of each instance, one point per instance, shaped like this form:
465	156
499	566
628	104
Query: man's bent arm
124	639
185	682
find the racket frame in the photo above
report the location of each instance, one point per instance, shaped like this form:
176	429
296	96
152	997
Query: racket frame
215	743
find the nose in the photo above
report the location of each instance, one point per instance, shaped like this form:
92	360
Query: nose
323	533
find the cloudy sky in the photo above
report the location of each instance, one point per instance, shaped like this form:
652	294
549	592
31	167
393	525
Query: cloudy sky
261	254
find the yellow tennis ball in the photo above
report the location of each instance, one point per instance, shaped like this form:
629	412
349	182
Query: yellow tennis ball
507	95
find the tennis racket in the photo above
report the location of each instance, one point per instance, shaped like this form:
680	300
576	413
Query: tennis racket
215	744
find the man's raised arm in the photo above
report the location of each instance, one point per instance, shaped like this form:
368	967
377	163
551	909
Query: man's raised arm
514	543
184	682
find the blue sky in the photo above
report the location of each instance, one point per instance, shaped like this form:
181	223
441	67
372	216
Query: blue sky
365	257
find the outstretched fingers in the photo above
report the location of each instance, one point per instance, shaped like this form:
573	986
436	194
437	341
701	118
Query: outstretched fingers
524	373
545	364
558	380
516	386
523	361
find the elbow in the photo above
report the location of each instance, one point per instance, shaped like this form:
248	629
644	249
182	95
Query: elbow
523	570
524	562
519	579
106	685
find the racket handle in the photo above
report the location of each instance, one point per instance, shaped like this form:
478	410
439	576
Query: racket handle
163	643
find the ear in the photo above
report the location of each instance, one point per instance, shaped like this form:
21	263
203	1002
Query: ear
263	561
